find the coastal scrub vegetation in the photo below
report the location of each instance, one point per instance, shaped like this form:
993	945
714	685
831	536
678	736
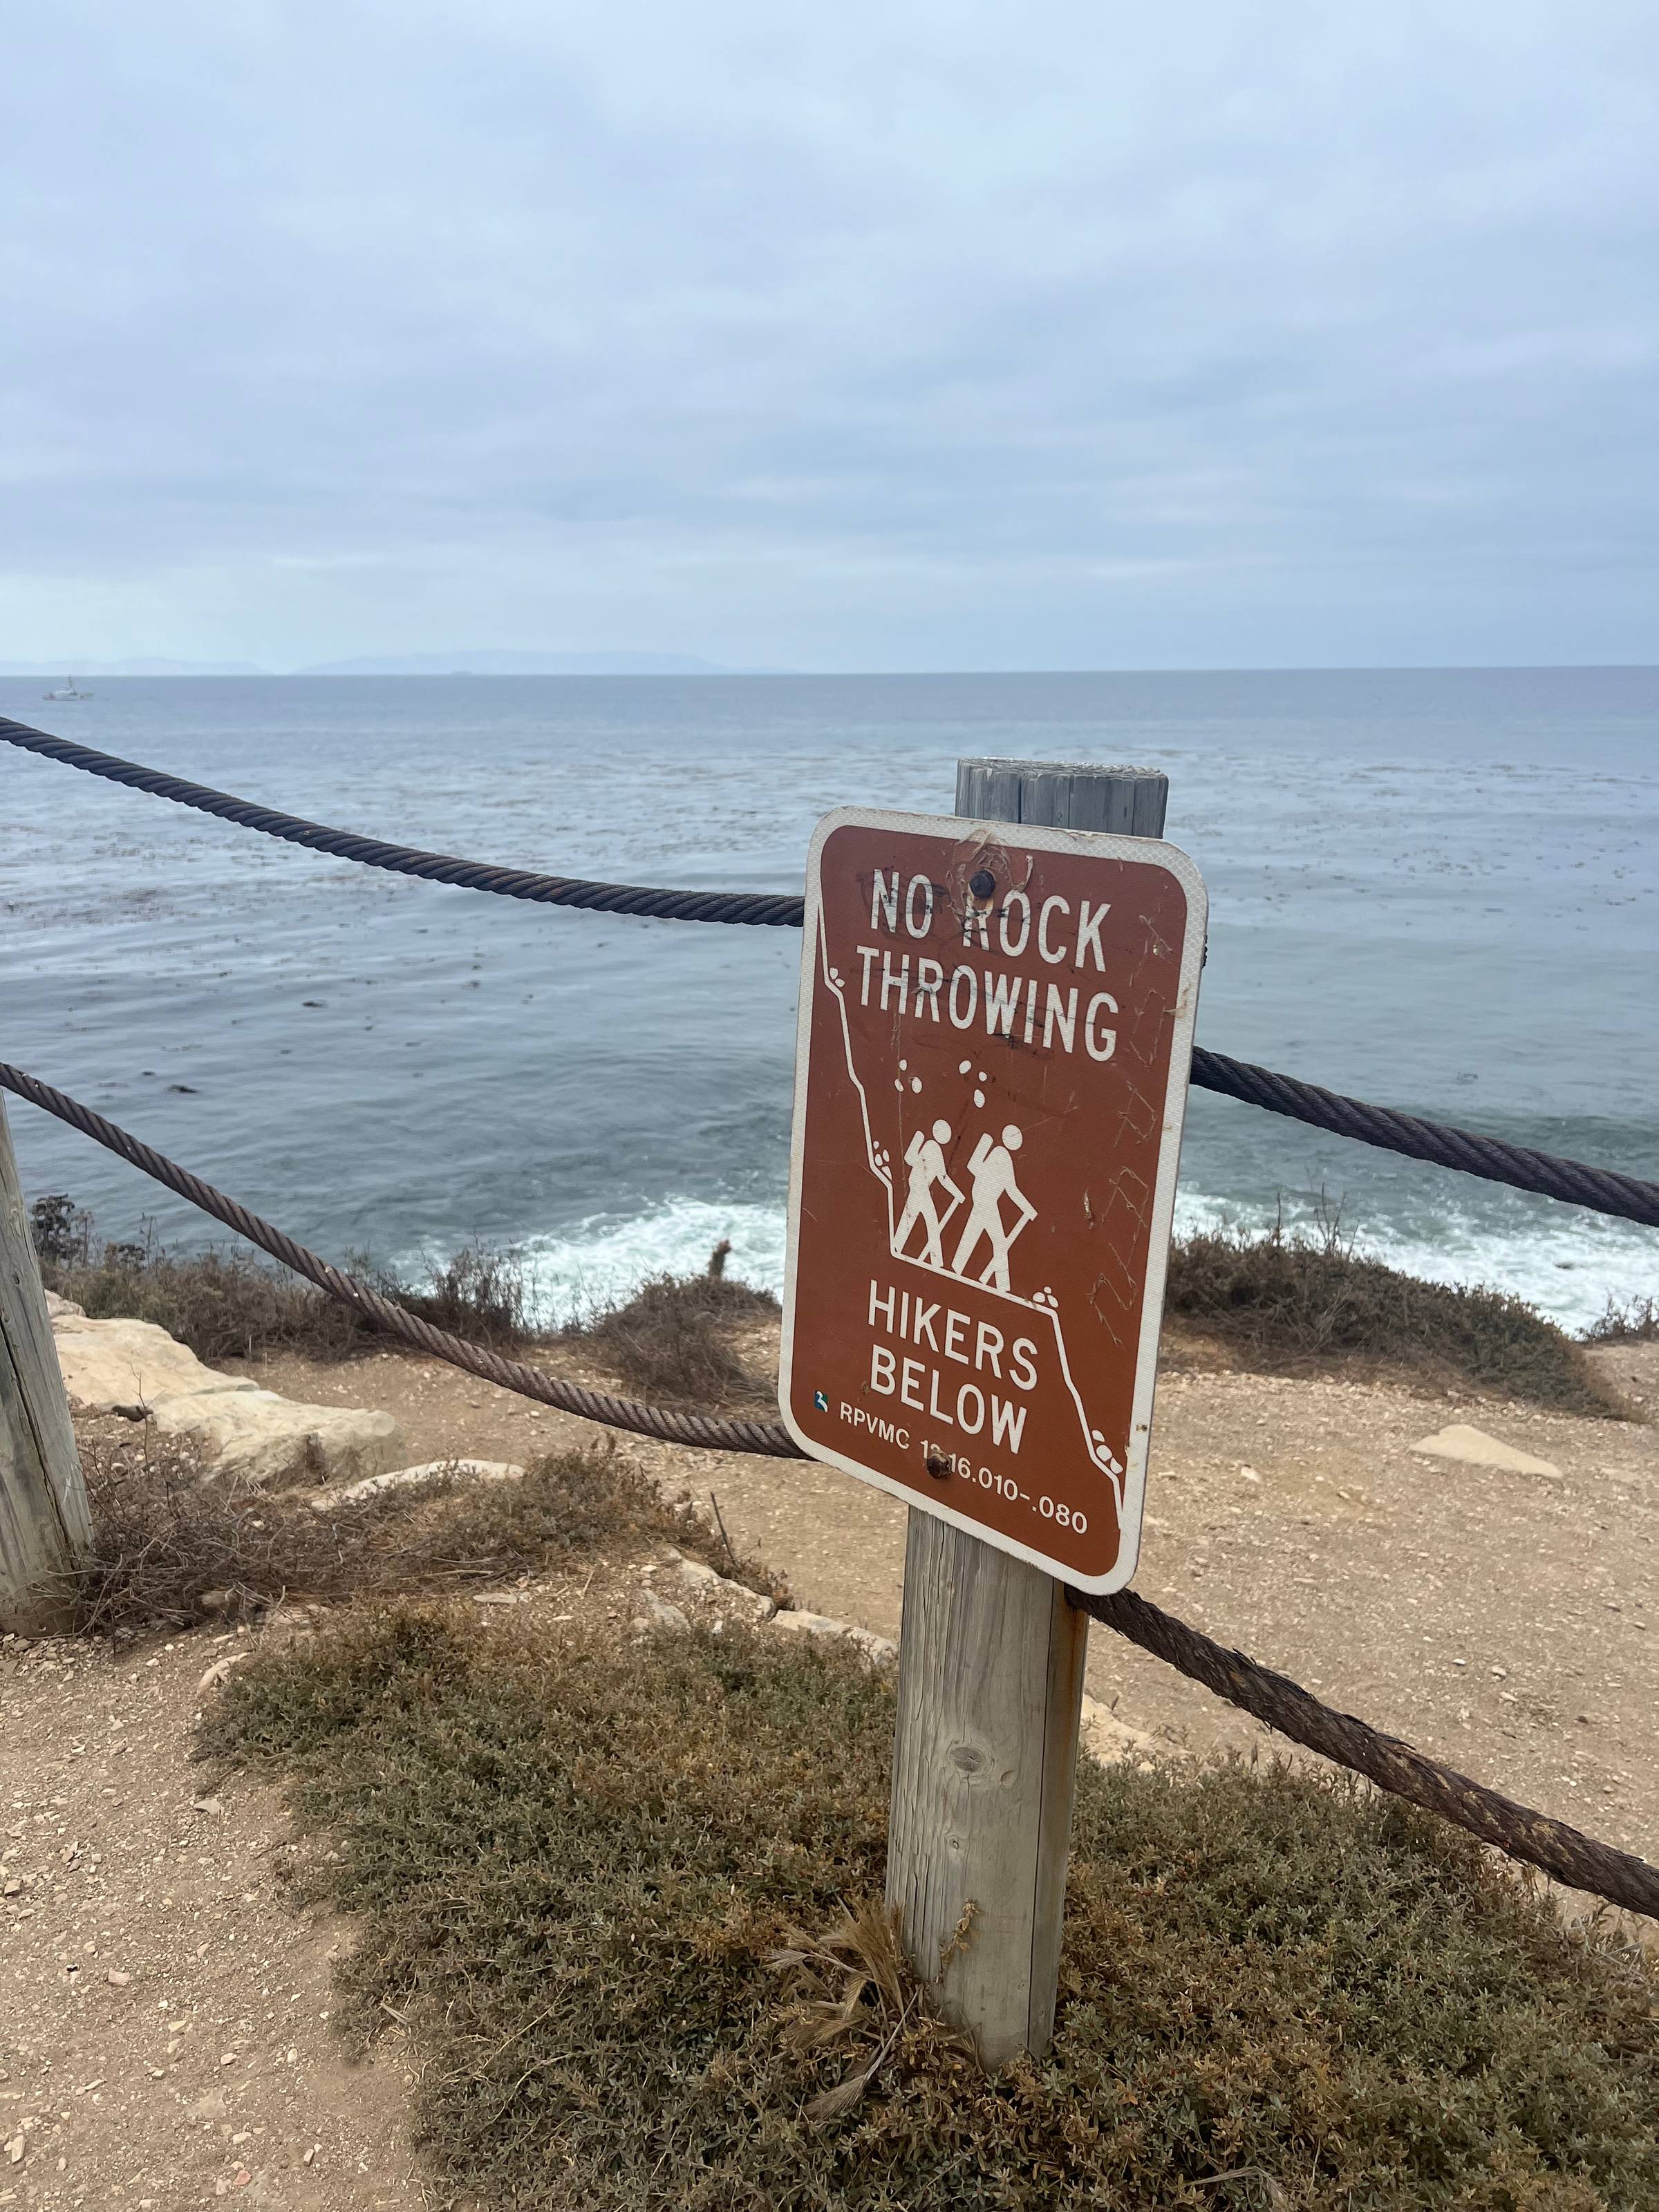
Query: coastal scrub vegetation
229	1305
624	1897
1292	1302
673	1337
172	1546
1283	1301
1638	1322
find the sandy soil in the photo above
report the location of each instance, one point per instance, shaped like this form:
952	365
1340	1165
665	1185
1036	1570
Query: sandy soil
1508	1624
164	2039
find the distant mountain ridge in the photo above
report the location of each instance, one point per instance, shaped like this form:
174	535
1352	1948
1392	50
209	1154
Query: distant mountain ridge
492	662
483	661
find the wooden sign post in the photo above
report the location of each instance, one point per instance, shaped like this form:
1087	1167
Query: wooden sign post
45	1529
996	1029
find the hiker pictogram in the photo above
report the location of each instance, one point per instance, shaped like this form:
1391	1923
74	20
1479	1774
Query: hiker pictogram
925	1158
991	1170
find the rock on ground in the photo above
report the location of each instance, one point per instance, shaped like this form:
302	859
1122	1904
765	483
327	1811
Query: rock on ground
732	1597
879	1648
433	1470
266	1439
1476	1448
131	1366
135	1368
1115	1742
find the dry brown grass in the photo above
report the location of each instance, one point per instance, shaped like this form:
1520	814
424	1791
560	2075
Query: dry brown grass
173	1543
1284	1302
673	1339
1635	1323
229	1305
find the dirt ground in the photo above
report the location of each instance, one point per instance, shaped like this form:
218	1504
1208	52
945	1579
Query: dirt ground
166	2036
1508	1624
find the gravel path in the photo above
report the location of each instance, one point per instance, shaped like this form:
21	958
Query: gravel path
164	2036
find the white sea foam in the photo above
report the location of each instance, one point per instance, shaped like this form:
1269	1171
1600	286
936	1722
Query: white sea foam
607	1258
1569	1267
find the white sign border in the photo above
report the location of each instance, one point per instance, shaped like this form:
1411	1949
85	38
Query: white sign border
963	829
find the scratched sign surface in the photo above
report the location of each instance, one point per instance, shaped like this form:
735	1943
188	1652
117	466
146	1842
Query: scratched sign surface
995	1036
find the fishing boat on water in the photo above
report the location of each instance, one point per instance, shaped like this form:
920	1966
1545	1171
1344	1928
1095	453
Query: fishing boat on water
69	691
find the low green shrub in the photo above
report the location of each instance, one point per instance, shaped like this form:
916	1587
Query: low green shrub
622	1896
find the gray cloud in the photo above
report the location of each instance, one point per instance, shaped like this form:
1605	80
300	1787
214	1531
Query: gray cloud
894	334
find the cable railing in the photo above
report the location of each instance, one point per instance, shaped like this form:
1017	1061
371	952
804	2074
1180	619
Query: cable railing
1534	1837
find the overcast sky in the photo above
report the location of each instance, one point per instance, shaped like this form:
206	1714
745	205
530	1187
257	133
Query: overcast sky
881	334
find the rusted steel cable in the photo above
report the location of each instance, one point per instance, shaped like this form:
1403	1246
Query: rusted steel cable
1601	1189
769	1438
764	909
1393	1766
1572	1182
1550	1844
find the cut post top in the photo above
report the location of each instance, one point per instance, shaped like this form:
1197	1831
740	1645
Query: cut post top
1126	802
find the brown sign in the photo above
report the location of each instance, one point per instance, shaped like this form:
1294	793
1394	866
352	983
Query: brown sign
996	1030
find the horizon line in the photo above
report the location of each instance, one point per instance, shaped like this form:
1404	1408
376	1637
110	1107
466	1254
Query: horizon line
40	670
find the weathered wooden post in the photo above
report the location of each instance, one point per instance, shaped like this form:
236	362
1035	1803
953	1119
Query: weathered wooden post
45	1528
992	1659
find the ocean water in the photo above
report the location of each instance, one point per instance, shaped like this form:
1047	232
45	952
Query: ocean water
1438	889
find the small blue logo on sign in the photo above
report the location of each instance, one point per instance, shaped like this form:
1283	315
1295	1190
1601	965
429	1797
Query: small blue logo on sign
820	1402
